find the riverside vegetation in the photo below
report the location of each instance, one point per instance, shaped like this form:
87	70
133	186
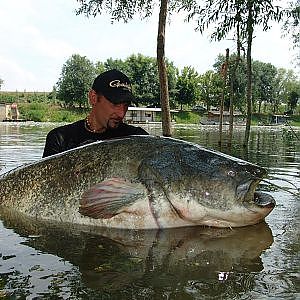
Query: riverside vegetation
275	91
37	107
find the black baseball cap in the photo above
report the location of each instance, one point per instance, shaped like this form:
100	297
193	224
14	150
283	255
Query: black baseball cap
114	85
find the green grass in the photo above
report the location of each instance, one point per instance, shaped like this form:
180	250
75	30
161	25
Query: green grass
42	112
20	97
187	117
182	117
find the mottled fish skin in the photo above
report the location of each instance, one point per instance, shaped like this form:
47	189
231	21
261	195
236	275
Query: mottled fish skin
160	182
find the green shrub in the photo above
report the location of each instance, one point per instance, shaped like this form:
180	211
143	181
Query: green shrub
66	116
295	120
187	117
260	119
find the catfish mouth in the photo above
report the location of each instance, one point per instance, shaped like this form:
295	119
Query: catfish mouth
246	193
264	200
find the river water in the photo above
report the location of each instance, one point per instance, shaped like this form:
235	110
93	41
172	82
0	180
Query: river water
40	260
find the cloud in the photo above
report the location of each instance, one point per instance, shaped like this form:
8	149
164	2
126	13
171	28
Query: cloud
41	35
42	45
15	76
33	54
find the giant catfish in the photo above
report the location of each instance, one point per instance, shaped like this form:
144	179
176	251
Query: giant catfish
139	182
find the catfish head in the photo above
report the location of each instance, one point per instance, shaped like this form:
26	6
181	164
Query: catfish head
205	187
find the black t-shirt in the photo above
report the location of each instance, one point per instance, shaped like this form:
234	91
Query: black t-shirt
73	135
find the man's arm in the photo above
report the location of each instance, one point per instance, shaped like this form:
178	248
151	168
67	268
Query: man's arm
54	143
140	131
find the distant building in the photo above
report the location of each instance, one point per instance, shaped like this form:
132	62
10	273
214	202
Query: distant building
279	119
9	112
213	117
142	114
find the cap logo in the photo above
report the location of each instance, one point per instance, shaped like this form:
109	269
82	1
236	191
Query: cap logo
116	84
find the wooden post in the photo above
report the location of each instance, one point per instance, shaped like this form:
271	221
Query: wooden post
224	70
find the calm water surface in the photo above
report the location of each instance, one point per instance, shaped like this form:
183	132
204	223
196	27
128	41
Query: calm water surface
50	261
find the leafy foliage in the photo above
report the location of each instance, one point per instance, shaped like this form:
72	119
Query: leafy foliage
263	84
76	79
222	16
143	72
187	86
271	86
291	27
119	9
210	88
242	15
125	10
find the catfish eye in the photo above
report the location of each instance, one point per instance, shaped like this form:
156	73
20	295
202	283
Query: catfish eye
231	173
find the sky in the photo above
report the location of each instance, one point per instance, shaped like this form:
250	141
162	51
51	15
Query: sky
39	36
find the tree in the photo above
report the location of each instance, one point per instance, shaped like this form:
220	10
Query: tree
75	81
143	71
187	86
1	83
263	85
293	98
270	85
99	67
144	74
286	84
291	27
237	78
172	72
162	69
118	64
233	74
210	88
125	10
53	95
225	16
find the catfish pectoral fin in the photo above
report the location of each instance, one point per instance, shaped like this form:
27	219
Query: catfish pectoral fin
109	197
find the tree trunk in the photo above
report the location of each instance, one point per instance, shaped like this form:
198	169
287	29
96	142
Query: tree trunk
162	70
232	79
249	71
224	74
259	106
231	95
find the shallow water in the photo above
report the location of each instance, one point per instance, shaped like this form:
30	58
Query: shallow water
40	260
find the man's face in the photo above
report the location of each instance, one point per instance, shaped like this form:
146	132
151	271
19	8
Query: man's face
108	114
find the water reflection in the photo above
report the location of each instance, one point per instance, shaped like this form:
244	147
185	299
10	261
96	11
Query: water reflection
120	262
21	143
267	146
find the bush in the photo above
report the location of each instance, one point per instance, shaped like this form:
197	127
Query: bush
42	112
33	111
187	117
260	119
295	120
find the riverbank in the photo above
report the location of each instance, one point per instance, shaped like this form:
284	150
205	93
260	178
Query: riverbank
43	112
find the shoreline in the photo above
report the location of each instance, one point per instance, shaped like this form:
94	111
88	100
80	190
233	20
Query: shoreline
155	124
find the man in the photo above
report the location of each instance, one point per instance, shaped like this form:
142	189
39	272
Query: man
109	97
